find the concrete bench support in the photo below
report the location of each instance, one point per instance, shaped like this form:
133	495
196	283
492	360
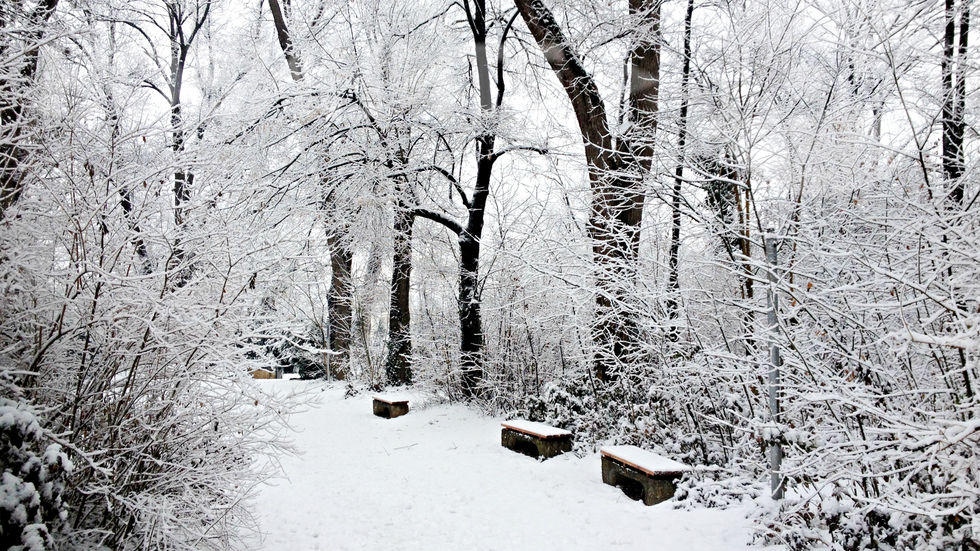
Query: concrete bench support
535	439
389	408
643	476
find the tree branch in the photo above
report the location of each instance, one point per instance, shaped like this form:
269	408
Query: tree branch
498	154
148	84
451	224
590	111
285	41
500	59
434	168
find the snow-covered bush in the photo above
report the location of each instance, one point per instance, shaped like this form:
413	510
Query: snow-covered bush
167	430
880	408
132	338
33	473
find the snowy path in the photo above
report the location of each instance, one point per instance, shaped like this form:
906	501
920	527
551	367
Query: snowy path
438	479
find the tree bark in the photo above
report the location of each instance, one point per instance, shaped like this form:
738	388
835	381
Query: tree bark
954	92
339	298
398	366
954	130
470	318
615	171
673	264
339	307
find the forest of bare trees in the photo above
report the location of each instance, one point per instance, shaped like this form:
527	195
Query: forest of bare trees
558	209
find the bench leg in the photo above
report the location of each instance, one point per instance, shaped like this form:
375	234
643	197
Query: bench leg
519	442
658	490
537	448
553	446
389	411
637	485
397	410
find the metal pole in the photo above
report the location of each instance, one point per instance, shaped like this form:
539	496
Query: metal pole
775	449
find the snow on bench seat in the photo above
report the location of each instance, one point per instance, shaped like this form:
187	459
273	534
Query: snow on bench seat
533	428
648	462
535	439
642	475
390	407
388	399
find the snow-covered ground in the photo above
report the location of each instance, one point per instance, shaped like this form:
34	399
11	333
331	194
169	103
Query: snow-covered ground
438	479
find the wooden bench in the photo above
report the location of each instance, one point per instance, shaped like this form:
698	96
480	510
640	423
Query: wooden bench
641	475
390	407
262	373
535	439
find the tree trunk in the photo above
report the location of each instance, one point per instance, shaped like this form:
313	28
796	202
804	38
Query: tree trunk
954	92
954	131
339	307
469	236
126	202
616	173
339	299
470	320
673	264
285	39
180	45
398	366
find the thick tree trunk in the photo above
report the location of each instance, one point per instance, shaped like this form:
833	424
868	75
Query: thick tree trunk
339	299
183	179
954	92
954	131
183	182
339	307
615	172
470	320
398	366
12	151
637	143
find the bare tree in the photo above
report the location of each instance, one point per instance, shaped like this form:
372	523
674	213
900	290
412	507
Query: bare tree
339	302
470	233
617	165
673	275
142	385
180	24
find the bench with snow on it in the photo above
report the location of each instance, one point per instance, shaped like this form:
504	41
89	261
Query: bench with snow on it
641	475
262	373
535	439
390	407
